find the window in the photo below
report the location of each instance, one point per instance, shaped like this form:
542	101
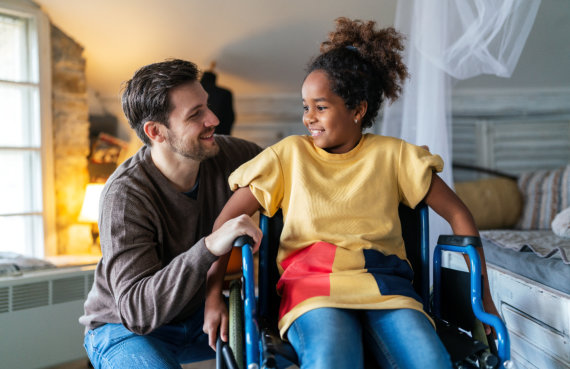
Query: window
26	184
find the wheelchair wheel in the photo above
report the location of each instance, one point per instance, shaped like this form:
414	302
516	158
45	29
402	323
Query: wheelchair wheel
236	322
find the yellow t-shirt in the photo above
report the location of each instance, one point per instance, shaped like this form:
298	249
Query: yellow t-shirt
341	243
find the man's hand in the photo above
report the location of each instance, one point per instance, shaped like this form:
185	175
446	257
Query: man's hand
220	241
215	316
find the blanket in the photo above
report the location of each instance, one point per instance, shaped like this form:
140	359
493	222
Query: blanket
543	243
13	264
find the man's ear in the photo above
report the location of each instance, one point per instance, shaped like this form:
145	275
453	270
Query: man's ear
154	131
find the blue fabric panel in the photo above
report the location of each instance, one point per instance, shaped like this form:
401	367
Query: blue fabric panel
392	274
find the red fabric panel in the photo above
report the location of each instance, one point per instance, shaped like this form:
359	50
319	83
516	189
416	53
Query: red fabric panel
305	275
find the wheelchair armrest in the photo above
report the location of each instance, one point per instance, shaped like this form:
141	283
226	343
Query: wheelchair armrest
461	241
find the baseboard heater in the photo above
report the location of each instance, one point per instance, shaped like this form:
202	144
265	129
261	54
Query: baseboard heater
38	317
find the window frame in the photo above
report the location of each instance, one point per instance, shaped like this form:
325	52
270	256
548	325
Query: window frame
40	50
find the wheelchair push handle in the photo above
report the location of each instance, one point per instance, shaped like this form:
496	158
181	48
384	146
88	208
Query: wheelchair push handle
243	240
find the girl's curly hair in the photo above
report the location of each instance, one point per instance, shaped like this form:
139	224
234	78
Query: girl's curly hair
363	64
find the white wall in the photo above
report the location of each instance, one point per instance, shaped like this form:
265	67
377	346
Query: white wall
267	46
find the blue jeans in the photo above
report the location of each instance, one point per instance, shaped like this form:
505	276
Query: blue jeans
335	338
114	346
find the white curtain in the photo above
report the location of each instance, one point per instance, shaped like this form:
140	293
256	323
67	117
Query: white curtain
449	40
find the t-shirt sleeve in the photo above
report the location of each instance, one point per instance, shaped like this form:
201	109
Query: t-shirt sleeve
264	176
415	169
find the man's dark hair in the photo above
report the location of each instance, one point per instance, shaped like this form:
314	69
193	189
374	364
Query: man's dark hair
146	95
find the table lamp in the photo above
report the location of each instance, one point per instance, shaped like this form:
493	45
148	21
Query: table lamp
90	209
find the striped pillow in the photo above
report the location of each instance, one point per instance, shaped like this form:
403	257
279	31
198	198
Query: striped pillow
545	194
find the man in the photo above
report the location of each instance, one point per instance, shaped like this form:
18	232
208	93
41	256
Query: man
146	306
220	100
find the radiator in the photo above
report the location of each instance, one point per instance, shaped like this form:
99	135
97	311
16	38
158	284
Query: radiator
39	314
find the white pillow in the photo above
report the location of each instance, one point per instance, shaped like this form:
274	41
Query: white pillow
561	223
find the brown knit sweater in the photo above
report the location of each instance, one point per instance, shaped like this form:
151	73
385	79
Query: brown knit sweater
155	261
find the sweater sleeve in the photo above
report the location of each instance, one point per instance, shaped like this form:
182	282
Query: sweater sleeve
415	169
147	293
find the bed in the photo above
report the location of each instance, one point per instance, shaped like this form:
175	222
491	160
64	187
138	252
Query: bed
528	260
532	293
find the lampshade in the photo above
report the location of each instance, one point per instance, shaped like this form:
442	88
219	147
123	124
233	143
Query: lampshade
90	209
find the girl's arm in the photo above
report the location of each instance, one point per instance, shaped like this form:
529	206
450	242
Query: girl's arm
242	204
446	203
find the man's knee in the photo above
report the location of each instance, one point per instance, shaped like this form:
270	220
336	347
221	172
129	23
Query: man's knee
114	346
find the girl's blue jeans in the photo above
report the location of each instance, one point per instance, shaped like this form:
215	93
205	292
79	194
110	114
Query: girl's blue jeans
335	338
114	346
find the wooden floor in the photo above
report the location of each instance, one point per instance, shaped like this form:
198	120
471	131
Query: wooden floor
77	364
83	364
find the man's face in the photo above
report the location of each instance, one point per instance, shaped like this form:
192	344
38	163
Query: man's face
192	123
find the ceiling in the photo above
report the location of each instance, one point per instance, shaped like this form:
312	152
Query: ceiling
259	46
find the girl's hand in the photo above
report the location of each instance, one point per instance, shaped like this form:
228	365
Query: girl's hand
215	317
489	307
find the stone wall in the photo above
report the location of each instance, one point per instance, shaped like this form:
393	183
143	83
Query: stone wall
71	141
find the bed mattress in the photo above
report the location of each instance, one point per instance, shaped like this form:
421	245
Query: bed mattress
543	259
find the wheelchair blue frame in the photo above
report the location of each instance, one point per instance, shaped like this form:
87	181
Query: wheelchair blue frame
504	346
252	334
250	309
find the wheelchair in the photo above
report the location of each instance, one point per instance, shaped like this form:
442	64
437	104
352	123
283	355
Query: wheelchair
455	303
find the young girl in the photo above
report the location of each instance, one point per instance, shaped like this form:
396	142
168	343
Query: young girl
345	281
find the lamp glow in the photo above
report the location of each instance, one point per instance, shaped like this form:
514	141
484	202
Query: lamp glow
90	209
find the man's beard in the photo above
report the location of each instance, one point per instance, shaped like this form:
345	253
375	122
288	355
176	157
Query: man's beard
193	150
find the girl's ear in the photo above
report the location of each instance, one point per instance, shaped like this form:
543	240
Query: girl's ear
360	110
154	131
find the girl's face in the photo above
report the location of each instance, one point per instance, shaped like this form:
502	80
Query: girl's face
325	115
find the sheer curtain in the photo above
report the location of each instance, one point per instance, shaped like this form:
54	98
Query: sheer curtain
449	40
